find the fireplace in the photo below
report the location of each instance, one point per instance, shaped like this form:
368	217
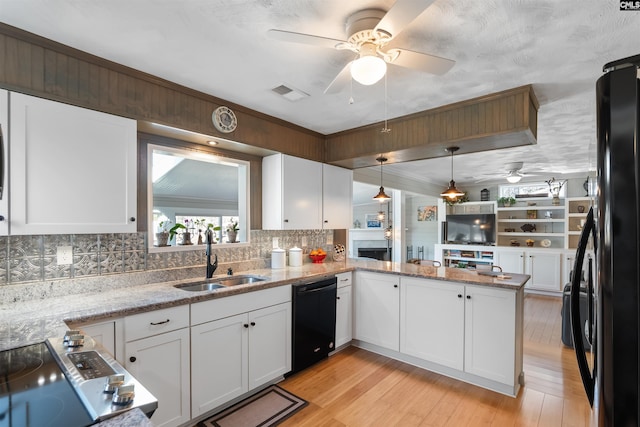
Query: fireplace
382	254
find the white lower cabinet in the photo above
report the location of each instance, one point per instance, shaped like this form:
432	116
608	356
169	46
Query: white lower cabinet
108	334
344	323
238	343
157	355
544	266
377	309
432	321
469	332
490	349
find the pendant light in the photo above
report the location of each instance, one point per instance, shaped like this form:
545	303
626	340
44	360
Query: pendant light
452	194
381	196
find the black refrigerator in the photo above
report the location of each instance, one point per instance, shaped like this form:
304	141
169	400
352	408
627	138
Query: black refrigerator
610	373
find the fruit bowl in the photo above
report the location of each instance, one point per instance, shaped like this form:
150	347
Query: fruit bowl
317	259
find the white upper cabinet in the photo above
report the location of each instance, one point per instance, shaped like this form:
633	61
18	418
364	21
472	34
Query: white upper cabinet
300	194
337	197
73	170
4	162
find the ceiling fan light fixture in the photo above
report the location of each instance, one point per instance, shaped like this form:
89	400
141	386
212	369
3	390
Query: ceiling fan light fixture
369	68
513	177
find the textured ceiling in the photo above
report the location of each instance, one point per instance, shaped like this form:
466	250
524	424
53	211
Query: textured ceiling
221	47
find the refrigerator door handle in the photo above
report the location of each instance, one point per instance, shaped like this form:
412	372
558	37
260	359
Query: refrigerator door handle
588	378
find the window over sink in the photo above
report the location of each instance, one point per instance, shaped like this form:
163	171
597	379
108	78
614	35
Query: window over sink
190	190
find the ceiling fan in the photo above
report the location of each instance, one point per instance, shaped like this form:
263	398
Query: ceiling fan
513	173
369	33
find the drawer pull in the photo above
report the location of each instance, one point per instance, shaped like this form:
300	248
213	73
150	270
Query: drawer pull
159	323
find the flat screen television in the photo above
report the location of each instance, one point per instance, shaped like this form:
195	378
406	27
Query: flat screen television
477	229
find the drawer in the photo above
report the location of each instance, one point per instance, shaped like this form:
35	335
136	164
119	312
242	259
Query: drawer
155	322
344	279
215	309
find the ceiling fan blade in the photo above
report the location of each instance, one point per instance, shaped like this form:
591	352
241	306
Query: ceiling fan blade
422	61
341	81
291	37
401	14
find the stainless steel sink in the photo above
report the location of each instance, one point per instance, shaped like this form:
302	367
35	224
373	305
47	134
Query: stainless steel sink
219	282
239	280
199	286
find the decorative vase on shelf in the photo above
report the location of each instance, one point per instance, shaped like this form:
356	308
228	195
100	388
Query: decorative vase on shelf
231	236
200	242
555	201
580	209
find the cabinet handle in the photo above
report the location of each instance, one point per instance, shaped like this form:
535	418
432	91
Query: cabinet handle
326	221
245	325
132	219
337	297
344	280
459	295
395	286
1	217
160	323
132	359
286	220
253	323
468	296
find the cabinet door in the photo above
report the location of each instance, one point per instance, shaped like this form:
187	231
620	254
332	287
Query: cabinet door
104	333
432	321
510	261
302	194
337	197
344	324
490	335
73	170
219	361
4	169
269	344
544	269
161	364
377	309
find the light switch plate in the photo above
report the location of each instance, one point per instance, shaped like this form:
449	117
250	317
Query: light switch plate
330	239
275	244
65	255
304	242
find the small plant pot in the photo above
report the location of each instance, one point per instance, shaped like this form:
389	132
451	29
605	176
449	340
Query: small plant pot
162	238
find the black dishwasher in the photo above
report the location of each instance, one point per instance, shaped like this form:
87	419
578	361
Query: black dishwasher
314	322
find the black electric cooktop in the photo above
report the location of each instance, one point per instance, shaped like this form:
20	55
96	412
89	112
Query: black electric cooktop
35	392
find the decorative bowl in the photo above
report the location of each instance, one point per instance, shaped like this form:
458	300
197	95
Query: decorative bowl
317	259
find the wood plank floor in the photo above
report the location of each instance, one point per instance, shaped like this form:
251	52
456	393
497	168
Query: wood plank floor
357	388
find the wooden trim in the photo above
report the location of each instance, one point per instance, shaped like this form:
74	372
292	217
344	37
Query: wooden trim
499	120
40	67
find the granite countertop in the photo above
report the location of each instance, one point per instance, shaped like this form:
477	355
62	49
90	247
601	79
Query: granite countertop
30	321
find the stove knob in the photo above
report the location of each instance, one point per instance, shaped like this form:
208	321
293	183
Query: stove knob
75	340
68	334
113	382
123	395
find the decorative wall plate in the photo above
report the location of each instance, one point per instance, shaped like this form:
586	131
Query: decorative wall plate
224	119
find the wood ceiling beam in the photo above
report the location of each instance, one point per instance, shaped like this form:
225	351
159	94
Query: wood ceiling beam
491	122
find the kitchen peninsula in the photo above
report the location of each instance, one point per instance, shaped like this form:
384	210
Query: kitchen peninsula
452	321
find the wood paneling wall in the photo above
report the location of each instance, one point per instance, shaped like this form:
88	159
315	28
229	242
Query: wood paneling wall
41	67
500	120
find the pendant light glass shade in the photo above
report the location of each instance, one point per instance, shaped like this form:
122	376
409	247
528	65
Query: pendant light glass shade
452	193
381	196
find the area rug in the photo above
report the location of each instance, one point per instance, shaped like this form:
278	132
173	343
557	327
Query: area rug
268	407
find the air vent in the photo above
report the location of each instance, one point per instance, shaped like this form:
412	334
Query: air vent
289	93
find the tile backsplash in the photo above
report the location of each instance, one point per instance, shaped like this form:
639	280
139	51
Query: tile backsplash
25	259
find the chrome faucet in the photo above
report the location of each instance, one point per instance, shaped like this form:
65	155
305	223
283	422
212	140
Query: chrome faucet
211	268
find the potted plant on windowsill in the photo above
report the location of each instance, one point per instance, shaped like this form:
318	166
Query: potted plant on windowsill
506	201
174	230
162	236
232	231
